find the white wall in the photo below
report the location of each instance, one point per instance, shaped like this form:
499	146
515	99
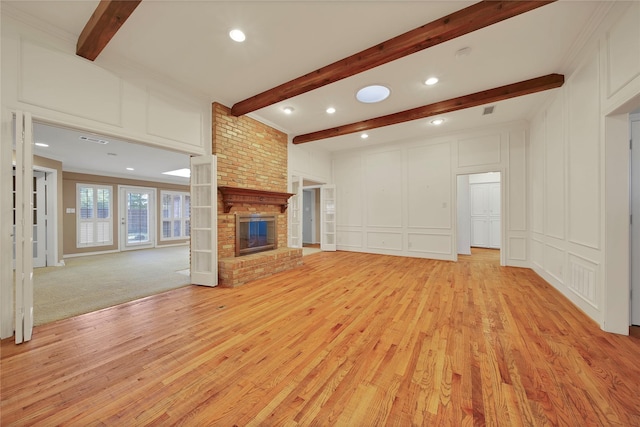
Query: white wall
578	174
41	74
309	162
464	216
400	198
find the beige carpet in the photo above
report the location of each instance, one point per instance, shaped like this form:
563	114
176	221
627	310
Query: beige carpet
94	282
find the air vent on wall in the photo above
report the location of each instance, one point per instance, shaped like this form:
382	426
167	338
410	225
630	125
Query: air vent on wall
488	110
96	140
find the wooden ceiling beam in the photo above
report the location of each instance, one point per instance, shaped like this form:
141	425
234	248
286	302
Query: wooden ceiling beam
104	23
457	24
501	93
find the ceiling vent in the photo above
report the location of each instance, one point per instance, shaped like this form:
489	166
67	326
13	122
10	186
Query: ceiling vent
488	110
96	140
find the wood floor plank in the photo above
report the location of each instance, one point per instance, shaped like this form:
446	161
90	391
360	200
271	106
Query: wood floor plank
347	339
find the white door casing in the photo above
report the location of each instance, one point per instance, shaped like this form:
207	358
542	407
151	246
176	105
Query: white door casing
635	223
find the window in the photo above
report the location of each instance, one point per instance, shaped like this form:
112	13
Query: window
176	206
94	215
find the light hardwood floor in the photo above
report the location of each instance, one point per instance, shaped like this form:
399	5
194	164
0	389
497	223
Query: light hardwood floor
348	339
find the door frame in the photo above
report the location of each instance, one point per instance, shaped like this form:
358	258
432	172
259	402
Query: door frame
503	204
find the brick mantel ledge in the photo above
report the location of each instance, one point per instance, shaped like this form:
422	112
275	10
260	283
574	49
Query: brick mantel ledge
231	195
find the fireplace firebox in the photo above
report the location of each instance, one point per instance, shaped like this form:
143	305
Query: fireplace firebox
255	233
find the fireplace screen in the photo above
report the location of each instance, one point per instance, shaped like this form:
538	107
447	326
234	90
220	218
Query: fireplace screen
255	233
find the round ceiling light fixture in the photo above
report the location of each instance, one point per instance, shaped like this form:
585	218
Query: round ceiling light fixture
372	94
437	122
237	35
331	110
288	110
364	136
431	81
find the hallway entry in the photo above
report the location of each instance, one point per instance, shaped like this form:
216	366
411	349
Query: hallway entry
479	216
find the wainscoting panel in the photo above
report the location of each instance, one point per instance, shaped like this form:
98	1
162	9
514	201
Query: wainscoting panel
482	150
384	240
623	50
517	182
518	248
537	253
347	174
584	156
349	239
554	262
167	118
583	278
429	243
71	85
383	178
429	186
554	171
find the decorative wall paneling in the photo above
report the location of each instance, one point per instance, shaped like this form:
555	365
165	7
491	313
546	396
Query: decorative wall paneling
568	239
400	198
74	92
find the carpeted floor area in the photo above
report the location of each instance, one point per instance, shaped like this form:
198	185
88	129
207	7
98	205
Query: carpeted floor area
94	282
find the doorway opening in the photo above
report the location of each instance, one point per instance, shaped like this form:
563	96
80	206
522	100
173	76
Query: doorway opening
479	223
134	175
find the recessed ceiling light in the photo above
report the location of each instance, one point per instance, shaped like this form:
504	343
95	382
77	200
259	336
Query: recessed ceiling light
237	35
41	144
364	136
431	81
373	93
437	122
130	169
185	173
288	110
111	154
331	110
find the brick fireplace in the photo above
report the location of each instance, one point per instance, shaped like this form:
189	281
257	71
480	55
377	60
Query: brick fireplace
253	157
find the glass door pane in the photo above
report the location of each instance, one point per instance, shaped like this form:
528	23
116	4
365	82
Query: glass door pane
138	218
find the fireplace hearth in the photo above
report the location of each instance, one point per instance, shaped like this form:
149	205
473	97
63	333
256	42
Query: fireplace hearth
255	233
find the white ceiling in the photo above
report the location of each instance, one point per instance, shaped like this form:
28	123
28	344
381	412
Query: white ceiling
187	42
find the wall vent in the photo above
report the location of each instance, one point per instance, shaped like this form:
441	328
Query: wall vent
488	110
96	140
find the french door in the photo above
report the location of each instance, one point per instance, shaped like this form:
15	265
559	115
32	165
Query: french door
328	224
137	218
295	212
204	221
24	205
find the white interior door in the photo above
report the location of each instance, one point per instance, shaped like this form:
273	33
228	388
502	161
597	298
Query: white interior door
479	198
328	212
204	221
635	223
308	206
295	213
24	227
39	219
485	215
137	218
